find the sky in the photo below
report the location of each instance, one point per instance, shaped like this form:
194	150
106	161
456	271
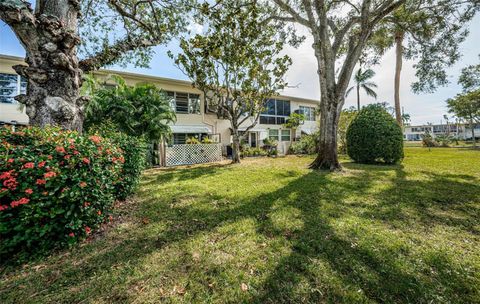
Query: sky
303	79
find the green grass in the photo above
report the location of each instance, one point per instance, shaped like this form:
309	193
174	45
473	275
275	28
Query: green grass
272	231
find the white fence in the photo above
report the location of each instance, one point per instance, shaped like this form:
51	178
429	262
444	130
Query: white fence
177	155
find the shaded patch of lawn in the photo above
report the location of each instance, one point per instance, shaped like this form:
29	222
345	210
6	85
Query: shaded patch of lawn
272	231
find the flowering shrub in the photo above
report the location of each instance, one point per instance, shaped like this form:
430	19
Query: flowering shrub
134	152
55	187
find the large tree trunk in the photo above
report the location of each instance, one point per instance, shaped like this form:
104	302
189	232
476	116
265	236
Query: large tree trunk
49	36
327	158
235	146
398	70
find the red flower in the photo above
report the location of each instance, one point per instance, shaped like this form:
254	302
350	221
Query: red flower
10	183
50	174
10	160
6	174
83	184
42	164
86	160
41	182
71	234
72	146
99	212
95	139
88	230
76	152
67	156
29	191
86	204
29	165
21	201
3	207
60	149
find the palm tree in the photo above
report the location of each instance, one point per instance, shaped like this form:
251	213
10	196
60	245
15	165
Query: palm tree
363	81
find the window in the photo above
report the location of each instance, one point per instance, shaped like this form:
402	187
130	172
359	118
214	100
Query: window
184	103
275	113
181	138
309	113
285	135
273	134
11	85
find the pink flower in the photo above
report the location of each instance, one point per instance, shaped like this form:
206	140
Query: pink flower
29	191
86	160
71	234
86	204
29	165
60	149
95	139
49	174
10	160
88	230
41	182
67	156
42	164
3	207
21	201
99	212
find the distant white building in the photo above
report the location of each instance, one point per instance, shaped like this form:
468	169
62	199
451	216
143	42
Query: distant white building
461	131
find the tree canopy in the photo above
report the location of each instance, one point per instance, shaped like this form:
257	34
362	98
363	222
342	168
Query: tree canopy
236	63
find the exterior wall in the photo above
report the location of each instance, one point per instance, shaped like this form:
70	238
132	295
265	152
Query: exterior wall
11	112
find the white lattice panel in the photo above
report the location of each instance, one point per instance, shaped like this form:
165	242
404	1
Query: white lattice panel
193	154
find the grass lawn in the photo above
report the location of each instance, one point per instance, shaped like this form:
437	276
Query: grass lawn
272	231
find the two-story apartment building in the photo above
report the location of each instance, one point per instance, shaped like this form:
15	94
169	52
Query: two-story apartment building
193	117
461	131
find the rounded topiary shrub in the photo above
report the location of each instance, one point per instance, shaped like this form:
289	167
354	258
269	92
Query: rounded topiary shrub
374	136
55	187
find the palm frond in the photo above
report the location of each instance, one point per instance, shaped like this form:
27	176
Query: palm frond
370	92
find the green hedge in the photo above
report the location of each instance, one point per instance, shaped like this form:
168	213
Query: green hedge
135	154
56	187
374	136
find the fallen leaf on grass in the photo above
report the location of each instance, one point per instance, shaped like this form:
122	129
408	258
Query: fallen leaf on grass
244	287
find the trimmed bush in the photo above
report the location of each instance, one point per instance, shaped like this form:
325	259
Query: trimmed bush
306	145
55	187
374	136
134	151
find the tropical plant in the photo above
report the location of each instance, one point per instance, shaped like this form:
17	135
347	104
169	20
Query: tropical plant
363	81
140	111
373	136
236	64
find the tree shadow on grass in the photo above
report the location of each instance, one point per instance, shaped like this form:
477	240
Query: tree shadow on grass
335	256
356	265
